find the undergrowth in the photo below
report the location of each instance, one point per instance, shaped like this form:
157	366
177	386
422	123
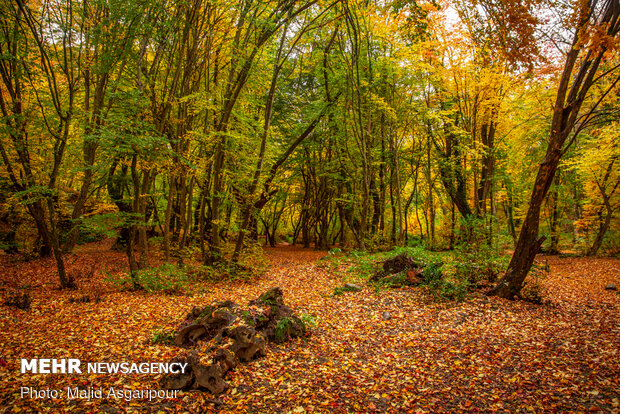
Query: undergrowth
447	275
167	278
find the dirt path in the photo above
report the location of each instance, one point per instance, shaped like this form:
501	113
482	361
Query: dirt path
289	256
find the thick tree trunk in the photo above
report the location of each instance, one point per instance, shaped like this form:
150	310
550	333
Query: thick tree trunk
528	244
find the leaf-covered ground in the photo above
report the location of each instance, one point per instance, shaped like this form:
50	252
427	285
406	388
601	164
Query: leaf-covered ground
481	355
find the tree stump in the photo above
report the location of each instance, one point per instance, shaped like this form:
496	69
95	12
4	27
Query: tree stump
399	271
247	343
222	334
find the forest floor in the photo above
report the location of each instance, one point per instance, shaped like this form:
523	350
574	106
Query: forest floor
480	355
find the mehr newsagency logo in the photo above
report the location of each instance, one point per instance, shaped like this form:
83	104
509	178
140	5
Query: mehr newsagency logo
75	366
72	366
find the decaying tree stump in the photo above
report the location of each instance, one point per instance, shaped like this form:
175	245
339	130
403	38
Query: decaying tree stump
399	263
399	271
197	375
220	335
281	323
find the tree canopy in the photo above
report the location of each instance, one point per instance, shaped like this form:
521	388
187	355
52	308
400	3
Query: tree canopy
200	127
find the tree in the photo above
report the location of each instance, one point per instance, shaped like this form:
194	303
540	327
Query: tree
244	54
40	81
596	164
596	28
109	29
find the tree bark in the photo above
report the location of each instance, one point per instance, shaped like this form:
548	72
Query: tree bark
600	235
569	100
604	224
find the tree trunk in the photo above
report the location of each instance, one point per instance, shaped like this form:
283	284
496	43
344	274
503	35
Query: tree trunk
66	281
604	224
600	235
168	217
554	230
568	103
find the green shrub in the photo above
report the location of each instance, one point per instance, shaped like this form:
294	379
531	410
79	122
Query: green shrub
162	337
432	273
415	241
334	252
455	290
308	321
441	289
443	285
423	256
363	265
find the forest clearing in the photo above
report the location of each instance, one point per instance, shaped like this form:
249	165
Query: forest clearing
483	354
309	206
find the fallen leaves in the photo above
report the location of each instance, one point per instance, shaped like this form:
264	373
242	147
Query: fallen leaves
484	354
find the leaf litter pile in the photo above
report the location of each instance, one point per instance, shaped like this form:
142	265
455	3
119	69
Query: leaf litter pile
385	350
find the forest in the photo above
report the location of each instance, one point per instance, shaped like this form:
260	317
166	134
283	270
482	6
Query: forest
431	185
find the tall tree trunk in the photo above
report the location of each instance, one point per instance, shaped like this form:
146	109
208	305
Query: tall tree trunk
487	135
509	211
247	206
168	217
566	113
431	202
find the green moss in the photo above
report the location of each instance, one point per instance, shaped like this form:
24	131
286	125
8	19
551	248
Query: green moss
247	317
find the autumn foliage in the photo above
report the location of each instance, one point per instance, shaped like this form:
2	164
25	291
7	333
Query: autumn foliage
398	168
